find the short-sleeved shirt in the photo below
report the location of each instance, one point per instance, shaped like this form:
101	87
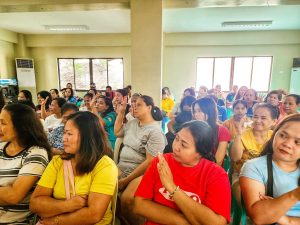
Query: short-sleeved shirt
102	179
206	183
283	182
139	139
29	162
223	135
109	120
52	122
251	149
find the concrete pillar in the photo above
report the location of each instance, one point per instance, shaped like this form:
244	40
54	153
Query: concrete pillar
146	47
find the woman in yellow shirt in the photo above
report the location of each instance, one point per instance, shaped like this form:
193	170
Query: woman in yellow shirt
248	143
95	177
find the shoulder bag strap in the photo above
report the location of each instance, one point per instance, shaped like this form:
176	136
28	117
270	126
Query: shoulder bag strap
69	178
270	178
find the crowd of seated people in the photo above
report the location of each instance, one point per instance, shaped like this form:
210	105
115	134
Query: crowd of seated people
57	165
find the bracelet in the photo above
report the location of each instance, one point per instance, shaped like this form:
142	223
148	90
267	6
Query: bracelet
173	192
56	220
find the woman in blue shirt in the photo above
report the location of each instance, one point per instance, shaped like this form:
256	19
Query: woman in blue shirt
270	184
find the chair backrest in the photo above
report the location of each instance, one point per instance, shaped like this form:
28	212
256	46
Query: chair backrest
114	205
117	149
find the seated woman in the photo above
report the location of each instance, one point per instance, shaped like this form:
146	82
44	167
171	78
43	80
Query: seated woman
248	143
70	96
186	186
143	140
55	137
250	97
104	108
25	95
205	109
239	117
270	184
44	100
54	120
291	103
24	154
94	181
183	116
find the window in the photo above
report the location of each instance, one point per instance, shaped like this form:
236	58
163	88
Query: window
81	72
253	72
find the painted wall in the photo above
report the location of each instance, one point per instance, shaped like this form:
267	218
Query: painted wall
179	59
8	40
45	49
182	50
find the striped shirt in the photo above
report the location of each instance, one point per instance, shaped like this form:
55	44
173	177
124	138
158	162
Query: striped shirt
29	162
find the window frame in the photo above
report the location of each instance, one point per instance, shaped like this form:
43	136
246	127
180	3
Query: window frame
232	70
90	71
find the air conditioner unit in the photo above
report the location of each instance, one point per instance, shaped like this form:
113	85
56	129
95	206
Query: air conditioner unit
25	73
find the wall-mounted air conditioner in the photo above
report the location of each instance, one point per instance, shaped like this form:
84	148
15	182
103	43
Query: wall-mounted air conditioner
25	73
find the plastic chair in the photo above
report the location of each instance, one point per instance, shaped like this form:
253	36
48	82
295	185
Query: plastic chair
239	216
117	149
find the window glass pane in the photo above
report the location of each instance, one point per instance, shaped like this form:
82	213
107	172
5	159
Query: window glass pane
66	72
115	73
82	74
100	73
204	72
222	73
242	71
261	73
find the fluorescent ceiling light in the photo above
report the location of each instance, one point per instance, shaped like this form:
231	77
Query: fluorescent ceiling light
261	23
66	27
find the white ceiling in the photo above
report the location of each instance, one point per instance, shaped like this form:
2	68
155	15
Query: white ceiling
284	17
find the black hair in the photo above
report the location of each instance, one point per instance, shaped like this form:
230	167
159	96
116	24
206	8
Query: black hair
28	127
68	84
276	92
123	92
93	141
68	106
29	103
108	102
55	90
187	100
60	101
2	101
209	108
109	87
295	96
274	111
251	89
27	95
155	111
239	101
88	95
203	137
72	92
191	90
128	87
44	95
268	148
163	92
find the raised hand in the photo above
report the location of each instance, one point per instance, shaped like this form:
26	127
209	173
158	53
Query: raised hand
165	174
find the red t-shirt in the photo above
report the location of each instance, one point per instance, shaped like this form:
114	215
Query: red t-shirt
206	183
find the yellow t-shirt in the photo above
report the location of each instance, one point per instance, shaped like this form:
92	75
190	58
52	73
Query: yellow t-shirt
251	149
102	179
167	105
